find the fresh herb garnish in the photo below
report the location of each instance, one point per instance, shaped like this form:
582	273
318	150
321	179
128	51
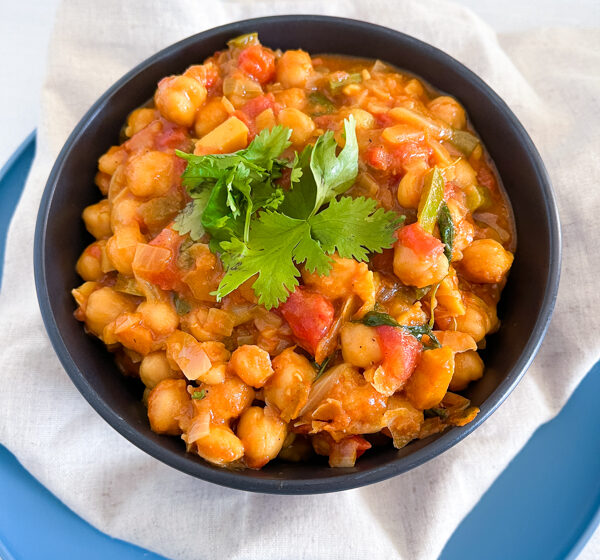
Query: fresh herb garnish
321	367
420	293
292	228
446	226
378	319
199	395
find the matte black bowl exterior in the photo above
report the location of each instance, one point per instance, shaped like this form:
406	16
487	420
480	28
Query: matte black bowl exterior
525	308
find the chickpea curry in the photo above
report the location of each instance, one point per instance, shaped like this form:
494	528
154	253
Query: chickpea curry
296	255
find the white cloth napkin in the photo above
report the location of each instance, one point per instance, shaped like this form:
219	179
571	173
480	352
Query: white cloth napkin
550	78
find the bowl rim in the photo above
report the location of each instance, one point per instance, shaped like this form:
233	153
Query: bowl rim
234	479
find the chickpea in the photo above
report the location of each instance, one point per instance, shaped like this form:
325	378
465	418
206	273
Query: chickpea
160	317
228	399
411	187
97	219
479	318
154	368
464	174
294	69
363	118
178	98
292	97
167	402
120	248
103	306
252	364
449	110
210	116
124	211
360	346
139	119
150	174
414	270
109	162
288	388
301	124
89	264
468	366
262	434
485	261
220	446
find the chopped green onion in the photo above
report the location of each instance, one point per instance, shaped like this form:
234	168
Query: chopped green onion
464	141
431	200
243	40
339	82
199	395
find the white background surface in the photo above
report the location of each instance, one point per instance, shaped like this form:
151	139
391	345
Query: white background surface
25	28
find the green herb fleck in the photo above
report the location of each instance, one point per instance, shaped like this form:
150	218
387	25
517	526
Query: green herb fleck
447	231
378	319
199	395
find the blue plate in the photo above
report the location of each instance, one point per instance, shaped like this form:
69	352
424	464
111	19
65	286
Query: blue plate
545	505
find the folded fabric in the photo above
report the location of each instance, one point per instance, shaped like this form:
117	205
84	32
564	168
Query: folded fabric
550	78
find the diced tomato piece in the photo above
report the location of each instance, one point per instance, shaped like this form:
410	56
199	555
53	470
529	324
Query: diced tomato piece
383	120
423	244
401	352
259	104
258	62
378	157
169	276
172	137
395	159
309	315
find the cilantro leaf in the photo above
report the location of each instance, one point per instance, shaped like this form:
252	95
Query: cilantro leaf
238	184
267	146
354	227
189	219
333	174
277	243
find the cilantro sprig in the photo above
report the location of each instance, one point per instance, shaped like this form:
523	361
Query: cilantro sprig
260	229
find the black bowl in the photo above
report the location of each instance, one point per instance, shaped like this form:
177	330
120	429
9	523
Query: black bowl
525	308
